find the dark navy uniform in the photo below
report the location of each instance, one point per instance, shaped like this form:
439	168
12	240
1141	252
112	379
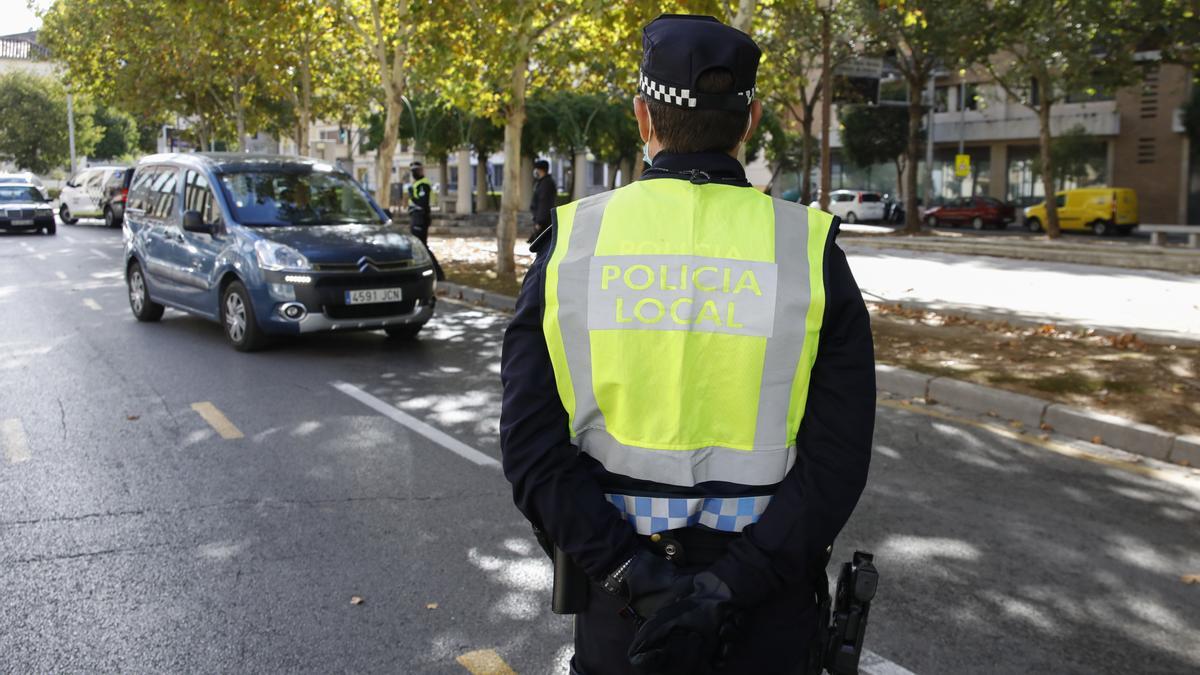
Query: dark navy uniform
770	565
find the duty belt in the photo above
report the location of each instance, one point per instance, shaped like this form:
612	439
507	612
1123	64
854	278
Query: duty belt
651	515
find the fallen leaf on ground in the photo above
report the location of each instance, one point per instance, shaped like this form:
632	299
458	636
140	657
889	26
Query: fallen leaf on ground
133	418
356	600
1016	424
431	605
1190	578
1046	427
1097	440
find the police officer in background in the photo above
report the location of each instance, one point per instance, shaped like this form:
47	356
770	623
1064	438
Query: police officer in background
689	386
419	213
544	194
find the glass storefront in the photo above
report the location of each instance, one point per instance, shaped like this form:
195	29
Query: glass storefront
1025	183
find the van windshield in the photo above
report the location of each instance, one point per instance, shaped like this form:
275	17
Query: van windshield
283	197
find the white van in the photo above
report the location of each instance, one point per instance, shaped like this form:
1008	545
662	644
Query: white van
87	193
854	206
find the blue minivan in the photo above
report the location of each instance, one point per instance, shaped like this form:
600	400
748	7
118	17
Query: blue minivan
269	245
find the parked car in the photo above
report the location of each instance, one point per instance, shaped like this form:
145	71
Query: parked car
978	212
25	178
24	207
854	206
1103	210
90	194
269	245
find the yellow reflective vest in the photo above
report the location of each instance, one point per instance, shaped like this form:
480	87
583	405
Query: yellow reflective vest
682	323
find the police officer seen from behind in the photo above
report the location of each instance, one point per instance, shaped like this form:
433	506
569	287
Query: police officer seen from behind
419	212
689	386
544	194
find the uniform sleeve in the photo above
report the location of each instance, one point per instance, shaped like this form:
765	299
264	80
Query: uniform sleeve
551	486
815	499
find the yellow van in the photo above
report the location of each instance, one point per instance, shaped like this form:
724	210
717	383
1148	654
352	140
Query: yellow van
1103	210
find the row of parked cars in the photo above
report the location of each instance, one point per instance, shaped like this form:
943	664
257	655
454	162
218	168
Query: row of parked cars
1102	210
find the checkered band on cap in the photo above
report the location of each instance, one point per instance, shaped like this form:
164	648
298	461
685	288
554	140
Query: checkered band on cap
650	515
667	94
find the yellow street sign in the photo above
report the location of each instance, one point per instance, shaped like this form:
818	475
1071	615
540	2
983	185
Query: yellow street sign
962	165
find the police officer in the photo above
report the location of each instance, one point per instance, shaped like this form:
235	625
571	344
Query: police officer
418	210
689	386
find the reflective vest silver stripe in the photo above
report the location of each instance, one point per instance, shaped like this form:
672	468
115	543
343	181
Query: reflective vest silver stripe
650	515
774	450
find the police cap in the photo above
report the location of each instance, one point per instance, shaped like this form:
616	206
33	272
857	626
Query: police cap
678	48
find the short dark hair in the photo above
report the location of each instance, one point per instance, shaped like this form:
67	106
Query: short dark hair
543	165
686	130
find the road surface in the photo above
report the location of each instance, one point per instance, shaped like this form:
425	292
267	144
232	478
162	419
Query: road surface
168	504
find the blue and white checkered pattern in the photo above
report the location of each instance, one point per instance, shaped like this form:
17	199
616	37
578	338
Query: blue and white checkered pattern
650	515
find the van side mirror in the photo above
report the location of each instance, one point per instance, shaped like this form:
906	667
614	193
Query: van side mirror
194	222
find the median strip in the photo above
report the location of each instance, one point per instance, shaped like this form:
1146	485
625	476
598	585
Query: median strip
217	420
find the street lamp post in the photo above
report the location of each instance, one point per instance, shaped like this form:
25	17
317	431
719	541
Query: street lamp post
826	94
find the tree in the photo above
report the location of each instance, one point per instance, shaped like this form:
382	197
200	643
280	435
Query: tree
33	123
790	75
387	30
119	133
1068	156
922	35
875	134
1045	50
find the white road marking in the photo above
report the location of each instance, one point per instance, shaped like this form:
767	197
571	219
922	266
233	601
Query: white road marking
100	253
92	304
61	276
437	436
874	664
40	256
12	437
69	238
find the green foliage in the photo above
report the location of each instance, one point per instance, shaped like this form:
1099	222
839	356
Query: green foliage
873	134
119	131
1071	153
33	123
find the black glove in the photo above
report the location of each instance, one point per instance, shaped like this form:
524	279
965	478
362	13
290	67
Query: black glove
691	635
651	583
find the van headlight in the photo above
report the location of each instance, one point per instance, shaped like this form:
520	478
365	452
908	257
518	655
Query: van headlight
420	254
278	257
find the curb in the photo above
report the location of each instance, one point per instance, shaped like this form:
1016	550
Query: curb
1116	432
504	303
1031	412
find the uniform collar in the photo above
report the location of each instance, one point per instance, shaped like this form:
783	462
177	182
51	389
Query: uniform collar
718	167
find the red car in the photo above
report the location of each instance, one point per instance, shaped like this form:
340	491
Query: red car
978	212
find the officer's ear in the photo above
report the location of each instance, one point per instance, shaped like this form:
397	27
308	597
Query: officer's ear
642	112
755	118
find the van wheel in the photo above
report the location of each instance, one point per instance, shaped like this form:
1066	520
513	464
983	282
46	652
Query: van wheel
851	217
64	214
1033	225
977	223
404	332
110	218
144	309
238	320
1102	228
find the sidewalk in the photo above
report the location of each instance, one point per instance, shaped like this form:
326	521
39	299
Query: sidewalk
1159	305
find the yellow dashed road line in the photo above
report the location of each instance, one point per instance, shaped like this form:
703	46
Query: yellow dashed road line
217	420
12	438
1180	478
485	662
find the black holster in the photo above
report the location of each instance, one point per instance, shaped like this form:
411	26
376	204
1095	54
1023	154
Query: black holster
571	583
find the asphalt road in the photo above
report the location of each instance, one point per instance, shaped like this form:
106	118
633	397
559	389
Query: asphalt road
137	534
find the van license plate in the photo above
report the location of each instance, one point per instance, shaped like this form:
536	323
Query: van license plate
372	295
22	222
